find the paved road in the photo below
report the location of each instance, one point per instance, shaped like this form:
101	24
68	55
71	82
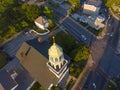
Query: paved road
72	27
12	46
96	83
104	55
76	30
113	30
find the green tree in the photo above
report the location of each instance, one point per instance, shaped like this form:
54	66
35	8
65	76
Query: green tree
15	17
31	11
37	86
24	24
109	3
55	88
47	12
51	24
74	3
82	53
3	59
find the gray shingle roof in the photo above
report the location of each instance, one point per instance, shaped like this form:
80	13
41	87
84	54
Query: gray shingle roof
6	81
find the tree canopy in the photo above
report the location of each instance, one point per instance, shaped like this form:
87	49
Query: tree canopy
3	59
82	53
109	3
74	2
47	12
15	17
31	11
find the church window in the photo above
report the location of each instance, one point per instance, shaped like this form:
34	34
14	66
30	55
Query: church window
56	59
51	58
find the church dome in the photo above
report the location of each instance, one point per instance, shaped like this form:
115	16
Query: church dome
55	51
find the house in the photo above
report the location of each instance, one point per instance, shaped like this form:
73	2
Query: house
96	22
99	22
45	63
92	7
7	82
41	22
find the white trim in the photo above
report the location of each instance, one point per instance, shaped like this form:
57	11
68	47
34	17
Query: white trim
14	87
60	69
62	76
31	85
50	86
39	33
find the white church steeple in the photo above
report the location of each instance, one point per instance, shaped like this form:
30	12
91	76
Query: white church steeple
57	63
56	57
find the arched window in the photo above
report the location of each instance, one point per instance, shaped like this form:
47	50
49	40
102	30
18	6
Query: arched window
60	58
56	59
51	58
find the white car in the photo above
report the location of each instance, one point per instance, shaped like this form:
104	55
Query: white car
94	85
84	38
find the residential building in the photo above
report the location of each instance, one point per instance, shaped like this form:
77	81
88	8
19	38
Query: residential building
92	7
96	22
45	63
41	22
7	81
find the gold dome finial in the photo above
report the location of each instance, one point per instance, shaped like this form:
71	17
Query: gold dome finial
53	40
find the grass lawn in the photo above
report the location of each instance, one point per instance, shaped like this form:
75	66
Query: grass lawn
3	59
39	30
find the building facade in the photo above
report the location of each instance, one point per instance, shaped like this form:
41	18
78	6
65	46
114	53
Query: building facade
41	22
92	7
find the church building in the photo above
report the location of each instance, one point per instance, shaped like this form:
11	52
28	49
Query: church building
46	63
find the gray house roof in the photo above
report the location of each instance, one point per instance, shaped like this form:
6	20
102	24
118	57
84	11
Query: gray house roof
96	3
6	80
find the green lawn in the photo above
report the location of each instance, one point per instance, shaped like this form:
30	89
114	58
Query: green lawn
3	59
39	30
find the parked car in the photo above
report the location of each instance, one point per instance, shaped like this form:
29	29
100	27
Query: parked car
83	37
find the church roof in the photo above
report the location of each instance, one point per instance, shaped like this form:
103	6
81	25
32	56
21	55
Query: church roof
43	47
35	63
6	80
55	51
